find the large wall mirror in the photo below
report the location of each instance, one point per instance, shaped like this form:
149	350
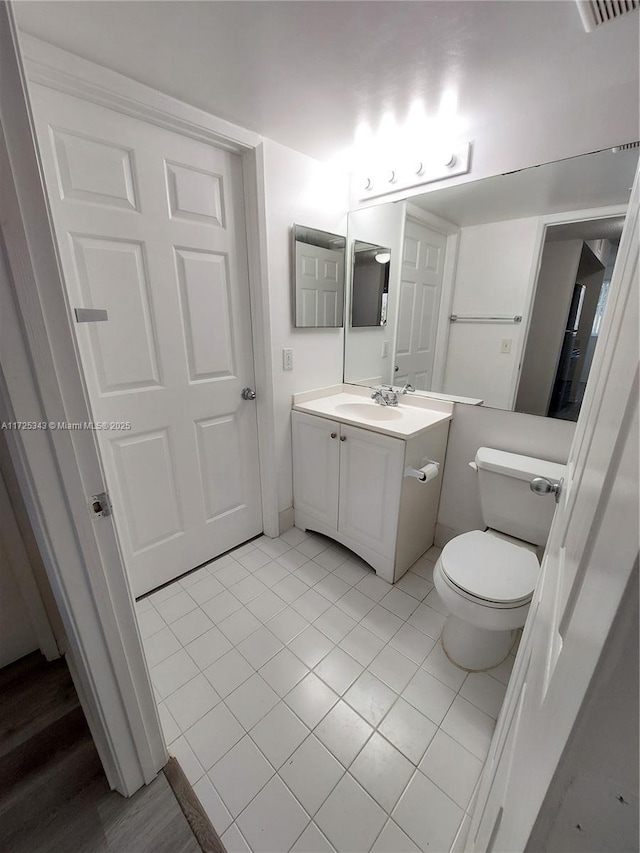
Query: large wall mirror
318	281
497	288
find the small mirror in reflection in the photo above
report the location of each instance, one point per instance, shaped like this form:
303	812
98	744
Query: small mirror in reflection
319	259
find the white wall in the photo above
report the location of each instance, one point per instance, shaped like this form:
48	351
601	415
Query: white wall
493	276
17	635
383	226
298	190
476	426
556	281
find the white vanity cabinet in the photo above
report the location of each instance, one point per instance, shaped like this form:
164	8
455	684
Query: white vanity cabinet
350	484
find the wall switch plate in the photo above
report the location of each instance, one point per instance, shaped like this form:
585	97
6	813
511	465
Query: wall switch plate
287	359
505	346
385	349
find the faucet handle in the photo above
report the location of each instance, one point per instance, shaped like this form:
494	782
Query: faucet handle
406	387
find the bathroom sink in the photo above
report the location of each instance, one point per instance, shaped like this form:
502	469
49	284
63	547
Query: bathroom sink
369	411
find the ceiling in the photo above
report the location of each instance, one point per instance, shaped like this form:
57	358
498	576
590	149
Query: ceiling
306	74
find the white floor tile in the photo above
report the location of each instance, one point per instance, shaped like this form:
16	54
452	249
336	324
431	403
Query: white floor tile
311	573
293	536
382	622
205	588
247	548
192	701
438	664
434	600
310	646
239	625
287	624
331	587
143	605
331	559
460	841
210	800
228	672
370	697
424	568
254	560
453	768
208	647
412	643
484	692
343	732
393	840
265	606
234	842
311	773
150	622
279	733
312	841
427	815
335	623
374	587
311	604
350	818
189	763
273	547
408	730
283	672
175	587
240	774
355	604
274	820
502	672
170	728
172	673
249	588
339	670
414	585
251	701
352	572
382	771
214	735
290	588
428	620
433	553
176	606
259	647
159	646
191	626
469	726
311	699
313	545
429	696
292	560
393	668
362	644
231	573
271	573
221	606
399	602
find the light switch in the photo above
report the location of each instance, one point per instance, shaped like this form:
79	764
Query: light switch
287	359
505	346
385	349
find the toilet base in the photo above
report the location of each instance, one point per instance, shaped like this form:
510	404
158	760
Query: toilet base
475	649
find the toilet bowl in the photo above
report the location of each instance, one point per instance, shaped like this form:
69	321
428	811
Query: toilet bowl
487	578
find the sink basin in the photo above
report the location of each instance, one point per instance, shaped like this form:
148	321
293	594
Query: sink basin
368	411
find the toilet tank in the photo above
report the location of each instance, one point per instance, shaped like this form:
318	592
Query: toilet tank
508	504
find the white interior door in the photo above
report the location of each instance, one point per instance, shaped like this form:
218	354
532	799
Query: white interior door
590	557
319	285
423	256
150	226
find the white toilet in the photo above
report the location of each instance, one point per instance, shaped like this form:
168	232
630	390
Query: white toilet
487	579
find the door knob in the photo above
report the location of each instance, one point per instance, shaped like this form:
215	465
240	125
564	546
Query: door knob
248	394
542	486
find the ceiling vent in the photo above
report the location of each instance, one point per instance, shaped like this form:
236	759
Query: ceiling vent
596	12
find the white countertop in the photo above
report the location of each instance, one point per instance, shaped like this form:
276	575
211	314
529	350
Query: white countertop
350	404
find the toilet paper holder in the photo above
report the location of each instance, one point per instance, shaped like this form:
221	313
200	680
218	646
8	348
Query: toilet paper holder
425	472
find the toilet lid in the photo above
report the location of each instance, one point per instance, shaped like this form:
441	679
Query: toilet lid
490	568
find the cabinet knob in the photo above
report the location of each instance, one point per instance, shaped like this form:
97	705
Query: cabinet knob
334	435
343	438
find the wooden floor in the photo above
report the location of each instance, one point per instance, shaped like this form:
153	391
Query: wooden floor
53	792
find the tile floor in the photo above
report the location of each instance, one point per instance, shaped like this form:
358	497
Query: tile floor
310	703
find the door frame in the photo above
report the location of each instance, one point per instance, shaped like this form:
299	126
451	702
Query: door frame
544	223
59	470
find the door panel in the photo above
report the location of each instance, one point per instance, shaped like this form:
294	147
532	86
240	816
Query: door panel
150	226
316	461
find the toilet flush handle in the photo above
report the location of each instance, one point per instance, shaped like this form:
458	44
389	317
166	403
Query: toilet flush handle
542	486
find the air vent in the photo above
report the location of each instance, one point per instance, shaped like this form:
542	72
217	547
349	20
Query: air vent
596	12
626	146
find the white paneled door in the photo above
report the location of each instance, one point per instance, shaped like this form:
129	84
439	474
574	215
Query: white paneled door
423	255
150	226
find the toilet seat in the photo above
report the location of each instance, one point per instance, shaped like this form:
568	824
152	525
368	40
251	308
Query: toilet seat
487	569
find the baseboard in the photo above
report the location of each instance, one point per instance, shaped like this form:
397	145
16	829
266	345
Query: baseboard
285	519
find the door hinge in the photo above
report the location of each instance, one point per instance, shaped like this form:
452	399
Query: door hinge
101	504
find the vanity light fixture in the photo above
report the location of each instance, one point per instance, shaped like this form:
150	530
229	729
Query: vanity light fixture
383	257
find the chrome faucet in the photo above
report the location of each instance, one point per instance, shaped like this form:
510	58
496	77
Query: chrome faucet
387	395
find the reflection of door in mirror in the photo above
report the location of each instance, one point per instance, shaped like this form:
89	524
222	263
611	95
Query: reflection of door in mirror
319	278
421	279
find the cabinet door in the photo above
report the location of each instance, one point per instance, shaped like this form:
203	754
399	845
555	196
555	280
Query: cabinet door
316	460
371	471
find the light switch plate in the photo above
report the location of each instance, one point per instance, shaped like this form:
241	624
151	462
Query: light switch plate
505	346
287	359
